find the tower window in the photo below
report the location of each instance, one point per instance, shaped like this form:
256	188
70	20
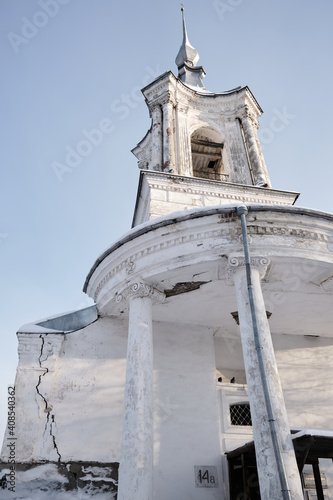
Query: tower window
240	414
207	149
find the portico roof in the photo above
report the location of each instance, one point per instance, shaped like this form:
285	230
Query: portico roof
315	443
197	213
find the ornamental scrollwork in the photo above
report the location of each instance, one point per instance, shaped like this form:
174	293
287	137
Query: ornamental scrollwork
139	289
236	262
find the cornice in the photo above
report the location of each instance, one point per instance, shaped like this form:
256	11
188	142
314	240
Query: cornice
130	263
231	232
244	197
223	189
160	80
220	232
187	96
226	213
164	83
253	101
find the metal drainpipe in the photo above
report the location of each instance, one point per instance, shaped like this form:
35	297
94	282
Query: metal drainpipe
242	211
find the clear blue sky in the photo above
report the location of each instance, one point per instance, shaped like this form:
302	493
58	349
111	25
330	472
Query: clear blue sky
85	62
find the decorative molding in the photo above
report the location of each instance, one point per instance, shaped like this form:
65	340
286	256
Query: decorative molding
139	289
273	198
232	232
236	262
153	89
155	107
168	98
130	267
243	111
259	262
249	108
241	240
178	240
201	101
182	108
287	231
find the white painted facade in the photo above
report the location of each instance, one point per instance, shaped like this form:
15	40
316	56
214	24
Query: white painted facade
134	380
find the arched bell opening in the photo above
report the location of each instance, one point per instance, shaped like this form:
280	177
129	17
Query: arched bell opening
207	155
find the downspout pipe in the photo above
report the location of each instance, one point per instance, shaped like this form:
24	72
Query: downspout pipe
242	211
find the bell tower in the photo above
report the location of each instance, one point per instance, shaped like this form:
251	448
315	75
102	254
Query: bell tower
202	148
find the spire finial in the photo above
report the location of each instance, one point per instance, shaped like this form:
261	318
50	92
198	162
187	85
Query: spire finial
187	54
187	59
185	37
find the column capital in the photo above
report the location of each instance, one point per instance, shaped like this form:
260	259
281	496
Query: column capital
235	262
244	112
139	289
182	108
155	107
230	117
248	118
168	98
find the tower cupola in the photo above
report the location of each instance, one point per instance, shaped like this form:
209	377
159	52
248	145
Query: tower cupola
202	148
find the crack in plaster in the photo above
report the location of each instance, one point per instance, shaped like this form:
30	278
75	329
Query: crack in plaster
53	437
47	408
42	374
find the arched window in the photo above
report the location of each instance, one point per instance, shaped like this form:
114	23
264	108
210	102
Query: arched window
207	155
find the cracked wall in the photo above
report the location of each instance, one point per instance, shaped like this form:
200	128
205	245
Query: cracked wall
69	394
49	353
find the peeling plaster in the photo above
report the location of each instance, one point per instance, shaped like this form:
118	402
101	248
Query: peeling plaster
184	287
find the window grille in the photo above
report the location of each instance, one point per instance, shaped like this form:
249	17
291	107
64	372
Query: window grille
240	414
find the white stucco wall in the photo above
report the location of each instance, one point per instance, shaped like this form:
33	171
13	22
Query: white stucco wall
305	366
186	411
89	391
84	392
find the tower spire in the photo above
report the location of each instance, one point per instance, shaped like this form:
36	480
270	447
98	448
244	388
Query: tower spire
187	59
187	53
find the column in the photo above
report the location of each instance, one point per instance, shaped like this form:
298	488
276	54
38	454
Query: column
239	167
136	465
156	154
168	143
269	479
261	155
259	172
184	158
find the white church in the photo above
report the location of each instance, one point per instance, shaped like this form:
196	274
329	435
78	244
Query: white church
203	371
